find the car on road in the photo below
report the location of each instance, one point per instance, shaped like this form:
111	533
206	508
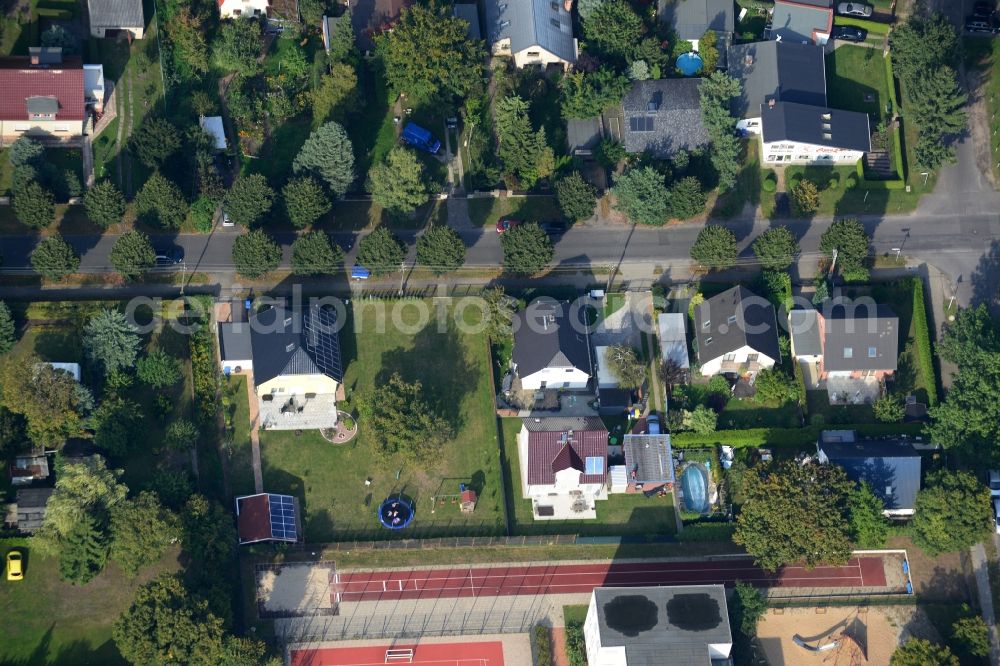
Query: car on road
15	565
553	227
848	33
859	9
506	224
168	256
993	481
981	26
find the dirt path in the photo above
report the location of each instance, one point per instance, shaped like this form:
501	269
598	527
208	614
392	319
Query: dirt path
979	121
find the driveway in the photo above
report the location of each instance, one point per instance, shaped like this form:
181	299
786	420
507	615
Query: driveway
626	325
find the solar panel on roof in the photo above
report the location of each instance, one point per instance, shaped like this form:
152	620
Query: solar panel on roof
282	510
320	327
641	124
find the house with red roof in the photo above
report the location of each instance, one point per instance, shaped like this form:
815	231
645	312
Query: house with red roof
564	466
47	96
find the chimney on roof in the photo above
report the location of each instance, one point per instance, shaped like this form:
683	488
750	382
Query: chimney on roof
771	103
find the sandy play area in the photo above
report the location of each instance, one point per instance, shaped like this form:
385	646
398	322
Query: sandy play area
865	635
290	590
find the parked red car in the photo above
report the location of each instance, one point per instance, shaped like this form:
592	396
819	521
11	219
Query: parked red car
504	224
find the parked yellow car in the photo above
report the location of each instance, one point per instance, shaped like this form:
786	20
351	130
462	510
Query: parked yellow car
14	568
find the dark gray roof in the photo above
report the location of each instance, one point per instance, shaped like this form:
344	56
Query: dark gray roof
31	507
691	18
651	622
755	324
804	329
564	424
544	336
663	116
583	135
783	71
871	337
234	342
796	22
817	125
44	105
648	458
116	13
527	23
890	467
46	55
469	12
295	342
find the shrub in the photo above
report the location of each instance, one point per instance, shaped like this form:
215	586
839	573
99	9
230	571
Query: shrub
851	182
833	184
255	254
542	639
205	373
921	333
770	183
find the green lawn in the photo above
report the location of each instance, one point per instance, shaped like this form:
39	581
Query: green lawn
237	410
742	413
487	210
619	515
329	480
837	200
818	402
855	81
373	132
613	302
47	621
280	149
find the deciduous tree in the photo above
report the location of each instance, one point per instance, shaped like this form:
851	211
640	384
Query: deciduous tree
869	528
588	94
7	332
141	530
972	636
238	46
805	198
889	409
305	201
327	154
846	236
158	370
111	342
398	184
51	401
709	52
921	652
715	247
381	252
526	249
255	254
53	258
614	27
952	512
398	401
86	488
314	254
336	94
105	204
702	420
626	366
440	249
795	513
776	249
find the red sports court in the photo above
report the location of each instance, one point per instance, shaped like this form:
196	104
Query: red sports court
438	654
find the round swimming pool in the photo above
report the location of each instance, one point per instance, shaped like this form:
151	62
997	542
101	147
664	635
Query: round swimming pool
689	63
694	483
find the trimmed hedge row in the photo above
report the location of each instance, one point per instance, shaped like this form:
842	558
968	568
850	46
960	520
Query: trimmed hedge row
707	531
890	80
873	27
57	14
205	373
786	437
543	645
922	341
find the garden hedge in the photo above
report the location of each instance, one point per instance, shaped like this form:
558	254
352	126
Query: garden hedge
542	639
707	531
922	340
890	82
873	27
55	14
205	373
786	437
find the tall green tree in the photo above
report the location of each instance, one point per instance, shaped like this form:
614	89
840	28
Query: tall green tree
428	54
305	201
26	151
398	184
805	198
255	254
701	420
953	512
314	254
154	141
167	625
716	94
643	196
158	370
588	94
776	249
328	156
520	148
141	530
381	252
500	309
869	528
34	206
111	342
53	258
921	652
249	199
937	103
577	198
83	552
526	249
686	198
84	489
160	203
105	204
795	513
118	426
398	401
709	52
8	333
626	366
132	254
337	92
238	46
440	249
715	247
850	241
921	43
615	28
52	403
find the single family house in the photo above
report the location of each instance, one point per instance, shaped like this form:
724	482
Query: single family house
564	466
532	32
653	626
108	18
890	467
268	517
736	333
662	116
31	505
551	346
801	21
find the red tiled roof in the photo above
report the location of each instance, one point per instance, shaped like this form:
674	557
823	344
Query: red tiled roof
254	521
18	81
551	452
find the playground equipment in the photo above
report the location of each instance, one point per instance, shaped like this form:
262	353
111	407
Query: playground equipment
840	649
396	512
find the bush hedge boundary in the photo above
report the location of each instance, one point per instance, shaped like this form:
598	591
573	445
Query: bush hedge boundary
873	27
922	342
786	437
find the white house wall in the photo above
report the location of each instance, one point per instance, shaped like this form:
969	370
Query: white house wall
714	366
750	125
555	378
247	8
792	152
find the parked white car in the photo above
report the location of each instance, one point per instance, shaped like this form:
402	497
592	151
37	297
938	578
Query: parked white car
859	9
993	480
996	512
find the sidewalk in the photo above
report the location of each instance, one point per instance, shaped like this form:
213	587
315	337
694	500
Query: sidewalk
981	566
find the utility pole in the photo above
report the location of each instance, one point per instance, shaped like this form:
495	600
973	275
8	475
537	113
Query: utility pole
402	274
183	269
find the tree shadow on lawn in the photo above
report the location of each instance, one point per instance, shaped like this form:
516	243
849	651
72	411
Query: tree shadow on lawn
68	654
445	384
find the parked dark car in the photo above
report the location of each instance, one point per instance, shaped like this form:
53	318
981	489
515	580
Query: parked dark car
982	9
168	256
553	227
859	9
978	26
849	33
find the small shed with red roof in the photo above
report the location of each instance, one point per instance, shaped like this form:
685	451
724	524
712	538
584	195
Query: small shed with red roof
268	517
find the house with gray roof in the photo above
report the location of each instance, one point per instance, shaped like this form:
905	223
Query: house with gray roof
552	346
532	32
31	505
803	134
649	462
653	626
662	116
801	21
583	135
736	333
890	467
110	17
691	19
775	71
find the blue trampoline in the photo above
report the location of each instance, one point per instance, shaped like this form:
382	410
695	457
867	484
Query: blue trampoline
689	63
395	512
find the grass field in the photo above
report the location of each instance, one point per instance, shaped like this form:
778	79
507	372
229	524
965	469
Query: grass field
855	81
237	408
487	210
741	413
329	480
619	515
47	621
